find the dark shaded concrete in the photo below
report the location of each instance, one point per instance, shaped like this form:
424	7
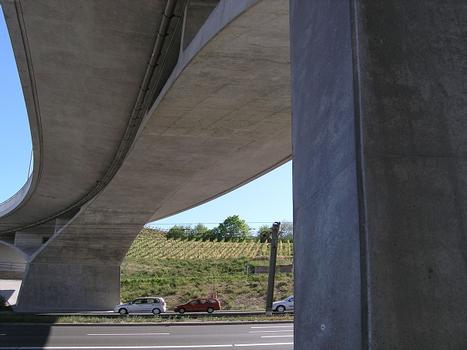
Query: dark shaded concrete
381	243
326	245
70	286
12	261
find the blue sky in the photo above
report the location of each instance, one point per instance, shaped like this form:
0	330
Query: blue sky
15	139
262	201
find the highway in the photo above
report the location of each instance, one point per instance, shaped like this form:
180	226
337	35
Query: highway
251	336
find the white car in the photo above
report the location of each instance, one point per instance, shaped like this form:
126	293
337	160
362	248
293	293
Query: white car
156	305
282	305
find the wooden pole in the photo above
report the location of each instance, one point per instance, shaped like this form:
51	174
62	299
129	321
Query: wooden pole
272	267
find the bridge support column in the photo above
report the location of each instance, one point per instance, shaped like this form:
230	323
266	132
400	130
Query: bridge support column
380	174
69	287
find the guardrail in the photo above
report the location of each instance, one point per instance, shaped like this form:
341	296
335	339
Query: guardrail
170	314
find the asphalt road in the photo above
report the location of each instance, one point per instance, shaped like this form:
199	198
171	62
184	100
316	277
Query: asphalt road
277	336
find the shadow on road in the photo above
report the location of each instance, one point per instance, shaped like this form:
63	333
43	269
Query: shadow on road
15	332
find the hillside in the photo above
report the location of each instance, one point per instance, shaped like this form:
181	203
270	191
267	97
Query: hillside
150	245
181	270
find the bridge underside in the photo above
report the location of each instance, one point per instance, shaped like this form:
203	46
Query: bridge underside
379	134
221	120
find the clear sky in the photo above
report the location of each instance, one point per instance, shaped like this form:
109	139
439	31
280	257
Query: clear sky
262	201
15	139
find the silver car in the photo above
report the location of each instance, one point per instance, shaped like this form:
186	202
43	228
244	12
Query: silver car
156	305
282	305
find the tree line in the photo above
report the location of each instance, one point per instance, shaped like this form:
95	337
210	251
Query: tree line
233	228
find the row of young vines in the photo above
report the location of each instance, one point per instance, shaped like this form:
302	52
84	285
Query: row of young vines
148	246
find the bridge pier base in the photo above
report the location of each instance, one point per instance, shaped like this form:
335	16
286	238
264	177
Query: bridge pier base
380	189
49	287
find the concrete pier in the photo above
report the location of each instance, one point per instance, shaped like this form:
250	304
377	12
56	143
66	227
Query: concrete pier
380	193
69	287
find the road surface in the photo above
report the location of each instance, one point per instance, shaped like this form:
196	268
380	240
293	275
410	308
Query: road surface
247	337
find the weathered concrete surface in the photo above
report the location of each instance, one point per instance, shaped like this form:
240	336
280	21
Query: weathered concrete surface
326	232
380	194
222	119
69	286
29	241
12	261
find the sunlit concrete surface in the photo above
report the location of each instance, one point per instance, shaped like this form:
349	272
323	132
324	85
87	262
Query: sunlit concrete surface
9	289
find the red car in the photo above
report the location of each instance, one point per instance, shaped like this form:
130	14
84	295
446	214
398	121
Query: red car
199	305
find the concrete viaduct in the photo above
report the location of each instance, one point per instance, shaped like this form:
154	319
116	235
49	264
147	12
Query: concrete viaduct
141	109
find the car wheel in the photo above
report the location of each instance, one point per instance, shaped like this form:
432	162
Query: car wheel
123	311
181	310
280	308
156	311
210	310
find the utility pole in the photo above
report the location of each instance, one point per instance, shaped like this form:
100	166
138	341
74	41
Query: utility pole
272	266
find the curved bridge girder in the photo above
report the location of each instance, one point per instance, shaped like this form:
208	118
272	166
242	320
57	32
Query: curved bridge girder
222	119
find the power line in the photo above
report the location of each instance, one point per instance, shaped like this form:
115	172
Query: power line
209	223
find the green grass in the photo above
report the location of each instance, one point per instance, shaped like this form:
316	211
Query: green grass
175	270
44	319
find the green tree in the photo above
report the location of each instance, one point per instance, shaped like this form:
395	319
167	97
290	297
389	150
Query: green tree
201	231
264	233
286	231
177	232
233	227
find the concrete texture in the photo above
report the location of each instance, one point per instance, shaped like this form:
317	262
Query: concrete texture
69	286
12	261
222	119
379	174
81	70
326	219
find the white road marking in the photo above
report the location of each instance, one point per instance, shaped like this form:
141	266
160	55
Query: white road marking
2	334
155	347
277	331
266	327
277	336
125	334
261	344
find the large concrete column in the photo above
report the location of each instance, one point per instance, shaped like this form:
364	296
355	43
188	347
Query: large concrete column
79	267
380	173
69	286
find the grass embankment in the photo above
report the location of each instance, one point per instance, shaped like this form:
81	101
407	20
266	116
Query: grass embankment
177	271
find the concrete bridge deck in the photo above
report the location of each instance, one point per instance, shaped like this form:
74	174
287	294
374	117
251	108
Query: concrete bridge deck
379	140
221	119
